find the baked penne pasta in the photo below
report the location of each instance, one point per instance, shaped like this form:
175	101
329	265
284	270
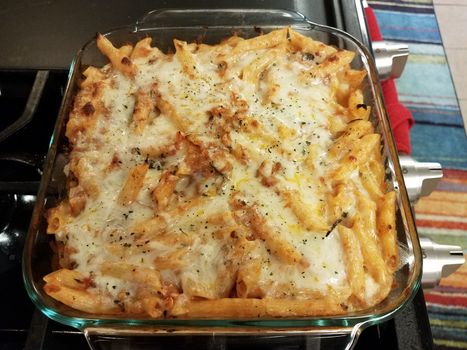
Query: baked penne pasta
237	180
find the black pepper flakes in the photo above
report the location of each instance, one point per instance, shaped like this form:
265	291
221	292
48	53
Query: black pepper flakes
362	105
308	56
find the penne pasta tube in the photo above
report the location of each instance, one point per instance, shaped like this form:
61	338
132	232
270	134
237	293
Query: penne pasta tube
143	49
145	276
358	109
247	280
126	50
376	167
278	246
353	262
183	54
370	182
354	131
364	228
77	199
330	66
143	107
336	61
360	152
386	225
68	287
57	218
271	39
133	184
150	228
163	191
118	58
340	202
81	299
308	45
252	71
172	260
170	111
311	218
92	75
354	77
254	308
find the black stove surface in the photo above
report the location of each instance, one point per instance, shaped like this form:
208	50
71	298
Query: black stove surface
47	34
30	99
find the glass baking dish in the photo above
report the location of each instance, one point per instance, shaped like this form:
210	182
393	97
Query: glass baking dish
211	26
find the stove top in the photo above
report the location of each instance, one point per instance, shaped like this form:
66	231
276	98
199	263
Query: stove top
28	40
29	102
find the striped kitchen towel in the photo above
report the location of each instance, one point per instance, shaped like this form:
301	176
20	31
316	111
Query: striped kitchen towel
426	88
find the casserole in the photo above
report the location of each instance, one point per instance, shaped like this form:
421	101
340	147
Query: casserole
187	26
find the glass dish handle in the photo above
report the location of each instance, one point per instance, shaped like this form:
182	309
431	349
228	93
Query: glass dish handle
99	341
218	17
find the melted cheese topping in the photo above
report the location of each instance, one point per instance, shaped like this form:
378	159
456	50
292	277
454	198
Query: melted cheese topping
256	141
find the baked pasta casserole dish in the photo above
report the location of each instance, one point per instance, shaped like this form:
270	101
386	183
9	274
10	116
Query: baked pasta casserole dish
242	179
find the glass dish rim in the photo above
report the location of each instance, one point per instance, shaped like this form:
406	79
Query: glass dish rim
321	322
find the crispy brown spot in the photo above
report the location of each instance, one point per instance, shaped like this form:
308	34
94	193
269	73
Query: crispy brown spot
96	89
222	67
126	61
115	163
88	109
269	181
276	167
89	283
